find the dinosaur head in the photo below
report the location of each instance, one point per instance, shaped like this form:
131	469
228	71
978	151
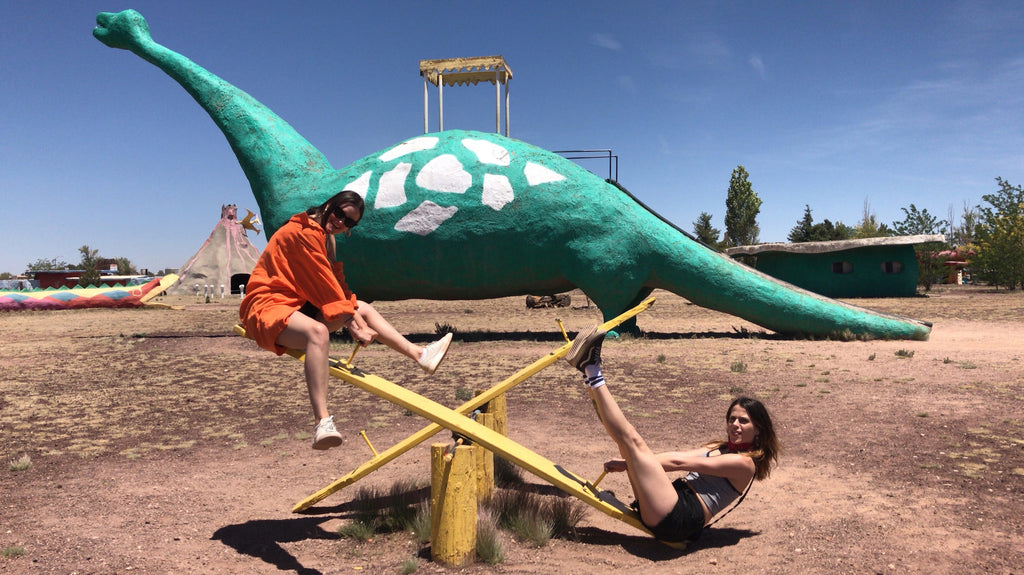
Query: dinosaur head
126	30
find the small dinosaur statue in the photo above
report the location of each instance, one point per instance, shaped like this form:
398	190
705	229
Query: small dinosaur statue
468	215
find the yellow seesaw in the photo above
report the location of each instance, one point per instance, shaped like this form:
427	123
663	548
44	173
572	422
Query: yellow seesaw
456	420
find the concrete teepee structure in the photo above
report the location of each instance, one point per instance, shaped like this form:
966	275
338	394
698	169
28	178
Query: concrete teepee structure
226	253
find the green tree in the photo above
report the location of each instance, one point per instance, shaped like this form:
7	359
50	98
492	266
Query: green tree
869	226
931	263
808	231
918	222
801	232
125	267
741	208
90	261
704	231
930	267
1000	237
826	231
44	264
963	235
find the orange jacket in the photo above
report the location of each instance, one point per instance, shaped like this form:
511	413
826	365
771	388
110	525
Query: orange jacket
292	270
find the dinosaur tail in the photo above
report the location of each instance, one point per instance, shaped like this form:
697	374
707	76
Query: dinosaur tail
715	281
740	290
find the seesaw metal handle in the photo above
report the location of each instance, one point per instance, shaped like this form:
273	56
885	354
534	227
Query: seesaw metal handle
367	439
353	356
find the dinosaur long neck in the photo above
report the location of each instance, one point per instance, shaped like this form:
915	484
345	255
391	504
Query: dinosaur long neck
276	159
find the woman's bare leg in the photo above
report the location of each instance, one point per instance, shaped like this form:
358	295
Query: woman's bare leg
312	336
651	484
387	334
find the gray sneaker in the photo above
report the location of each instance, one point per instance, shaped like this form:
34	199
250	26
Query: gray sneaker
325	436
586	348
434	353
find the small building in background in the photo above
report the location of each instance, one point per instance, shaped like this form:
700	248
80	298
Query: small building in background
870	267
57	279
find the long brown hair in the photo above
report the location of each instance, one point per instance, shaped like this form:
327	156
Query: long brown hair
765	448
344	197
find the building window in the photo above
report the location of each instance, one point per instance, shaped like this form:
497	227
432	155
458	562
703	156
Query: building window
842	267
892	267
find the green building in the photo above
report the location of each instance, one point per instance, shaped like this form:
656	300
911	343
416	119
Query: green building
870	267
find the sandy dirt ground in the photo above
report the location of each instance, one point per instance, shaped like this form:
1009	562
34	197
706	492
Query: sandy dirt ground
160	442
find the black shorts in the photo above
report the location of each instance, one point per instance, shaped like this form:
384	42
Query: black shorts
685	521
310	310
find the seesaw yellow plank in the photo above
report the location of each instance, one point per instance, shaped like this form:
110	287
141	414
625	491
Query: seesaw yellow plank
429	431
490	440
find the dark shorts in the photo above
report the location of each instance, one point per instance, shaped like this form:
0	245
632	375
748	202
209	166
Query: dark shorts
685	521
310	310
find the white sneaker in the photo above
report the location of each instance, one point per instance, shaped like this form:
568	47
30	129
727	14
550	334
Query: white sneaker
434	353
325	436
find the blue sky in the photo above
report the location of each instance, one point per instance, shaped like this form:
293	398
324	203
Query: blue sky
829	104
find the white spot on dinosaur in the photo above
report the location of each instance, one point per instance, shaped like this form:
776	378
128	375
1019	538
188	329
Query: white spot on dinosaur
444	174
391	188
537	174
497	191
487	152
426	218
408	147
360	185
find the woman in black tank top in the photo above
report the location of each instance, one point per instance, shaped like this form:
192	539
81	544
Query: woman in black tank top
672	510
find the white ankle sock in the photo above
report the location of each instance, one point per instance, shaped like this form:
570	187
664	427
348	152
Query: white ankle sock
592	375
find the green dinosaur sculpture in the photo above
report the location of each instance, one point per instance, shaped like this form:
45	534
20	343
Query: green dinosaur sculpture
469	215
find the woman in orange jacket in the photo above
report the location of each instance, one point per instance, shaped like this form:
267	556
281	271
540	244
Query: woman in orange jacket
297	296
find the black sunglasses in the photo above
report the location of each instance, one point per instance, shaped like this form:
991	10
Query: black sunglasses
339	212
